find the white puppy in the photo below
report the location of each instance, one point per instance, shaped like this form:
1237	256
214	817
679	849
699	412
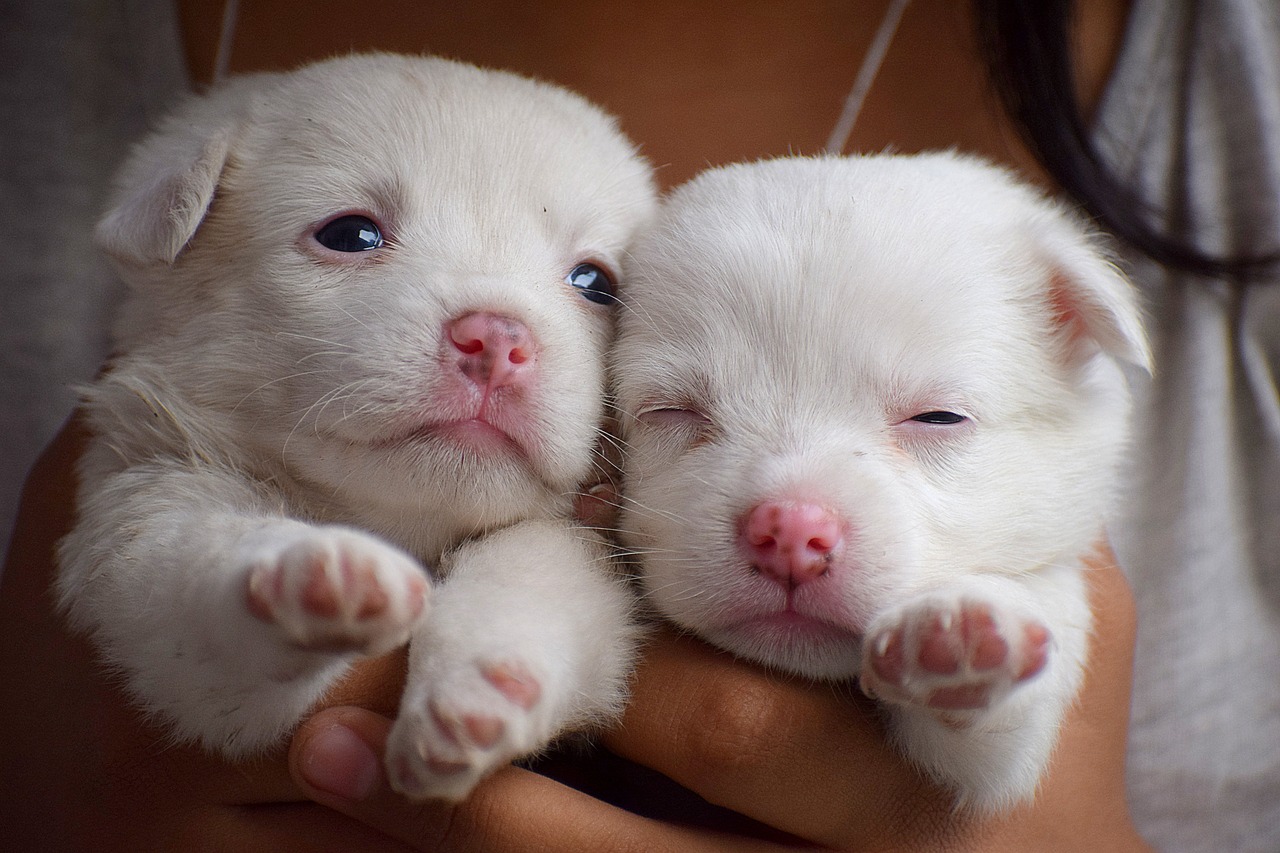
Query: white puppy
874	410
366	331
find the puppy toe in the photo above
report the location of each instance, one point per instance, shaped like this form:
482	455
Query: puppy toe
962	655
337	590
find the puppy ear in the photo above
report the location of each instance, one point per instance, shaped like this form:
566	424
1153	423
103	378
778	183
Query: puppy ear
1093	304
163	196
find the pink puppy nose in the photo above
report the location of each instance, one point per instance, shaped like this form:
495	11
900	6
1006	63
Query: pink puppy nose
494	350
791	542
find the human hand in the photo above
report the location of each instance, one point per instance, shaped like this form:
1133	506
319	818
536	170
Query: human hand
809	761
80	768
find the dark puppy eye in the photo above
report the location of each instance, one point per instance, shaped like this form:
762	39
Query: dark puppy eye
593	282
940	418
350	233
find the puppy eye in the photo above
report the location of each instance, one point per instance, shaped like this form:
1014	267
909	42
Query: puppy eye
940	418
686	425
593	282
674	417
350	233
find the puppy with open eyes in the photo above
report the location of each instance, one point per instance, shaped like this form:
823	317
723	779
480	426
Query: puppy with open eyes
363	346
874	409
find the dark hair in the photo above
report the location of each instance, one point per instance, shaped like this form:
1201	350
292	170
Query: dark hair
1028	48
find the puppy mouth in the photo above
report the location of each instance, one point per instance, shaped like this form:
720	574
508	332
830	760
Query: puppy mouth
794	617
474	434
793	626
794	641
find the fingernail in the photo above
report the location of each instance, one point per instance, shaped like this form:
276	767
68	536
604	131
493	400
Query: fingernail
338	762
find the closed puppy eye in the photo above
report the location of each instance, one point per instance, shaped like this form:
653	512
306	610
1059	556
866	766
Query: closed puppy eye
350	232
673	416
939	418
593	282
677	427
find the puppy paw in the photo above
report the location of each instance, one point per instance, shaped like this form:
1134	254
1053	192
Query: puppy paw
336	589
467	722
952	657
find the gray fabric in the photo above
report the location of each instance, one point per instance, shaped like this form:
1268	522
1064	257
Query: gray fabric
79	80
1192	114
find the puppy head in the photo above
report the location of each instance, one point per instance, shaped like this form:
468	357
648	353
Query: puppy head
391	274
840	380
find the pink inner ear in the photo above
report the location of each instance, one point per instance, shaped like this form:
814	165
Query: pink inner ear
1067	312
1093	309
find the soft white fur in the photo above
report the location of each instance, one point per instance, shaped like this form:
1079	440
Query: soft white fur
784	321
252	434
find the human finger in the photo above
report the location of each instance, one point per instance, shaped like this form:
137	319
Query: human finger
336	758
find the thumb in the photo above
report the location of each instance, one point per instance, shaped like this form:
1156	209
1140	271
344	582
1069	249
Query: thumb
334	756
336	759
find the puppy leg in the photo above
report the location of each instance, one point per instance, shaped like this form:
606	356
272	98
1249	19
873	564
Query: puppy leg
221	613
529	635
978	675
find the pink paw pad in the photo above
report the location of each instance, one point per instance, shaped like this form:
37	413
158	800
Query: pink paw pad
962	697
1035	650
514	682
337	592
957	659
475	729
888	660
948	642
265	588
358	590
319	597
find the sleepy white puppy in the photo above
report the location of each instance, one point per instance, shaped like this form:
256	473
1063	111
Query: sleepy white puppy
364	345
873	410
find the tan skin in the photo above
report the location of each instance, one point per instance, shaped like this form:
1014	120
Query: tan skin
695	84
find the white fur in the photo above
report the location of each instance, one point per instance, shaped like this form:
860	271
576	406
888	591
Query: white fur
253	435
783	323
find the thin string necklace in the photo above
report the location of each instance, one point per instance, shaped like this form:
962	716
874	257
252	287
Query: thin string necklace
226	36
866	76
